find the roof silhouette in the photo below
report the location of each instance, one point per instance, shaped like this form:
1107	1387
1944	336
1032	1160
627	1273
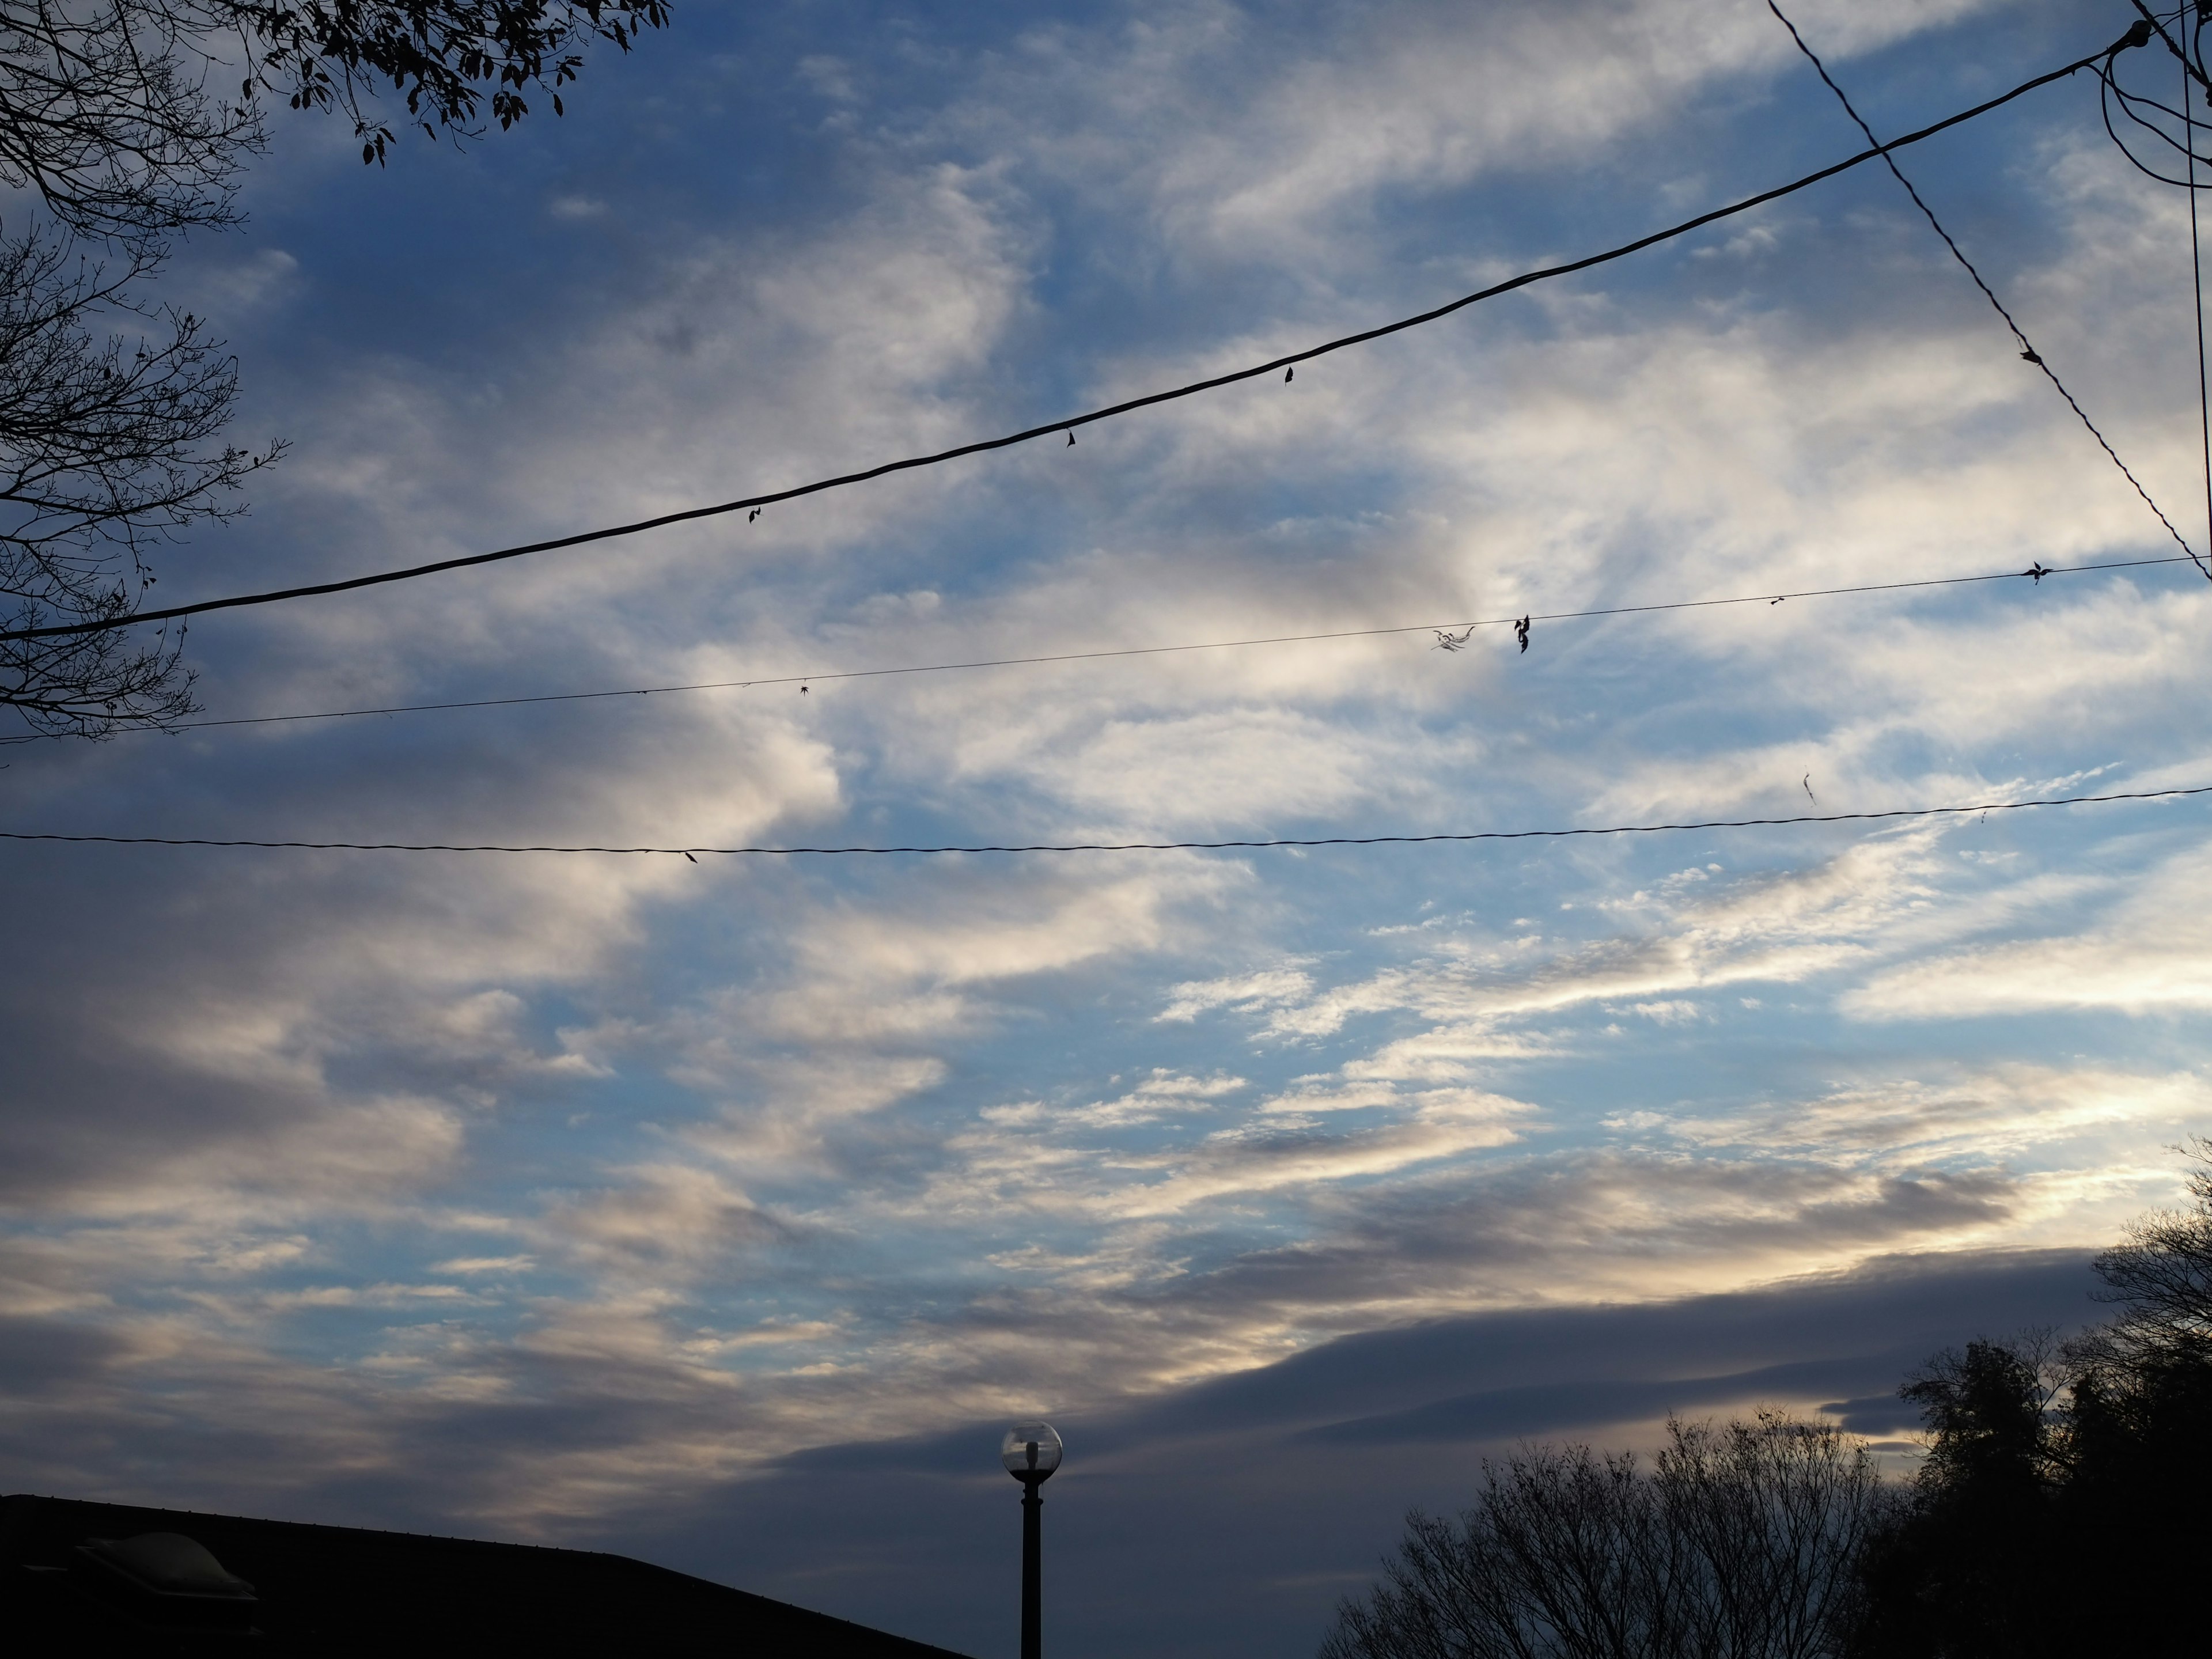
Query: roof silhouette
304	1589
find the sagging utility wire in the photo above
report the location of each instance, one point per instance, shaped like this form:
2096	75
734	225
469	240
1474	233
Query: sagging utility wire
2028	351
1450	636
2182	32
690	852
2135	36
2153	120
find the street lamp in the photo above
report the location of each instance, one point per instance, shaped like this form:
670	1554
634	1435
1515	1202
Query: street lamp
1031	1452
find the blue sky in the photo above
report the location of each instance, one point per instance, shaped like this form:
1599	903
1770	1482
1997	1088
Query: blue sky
721	1212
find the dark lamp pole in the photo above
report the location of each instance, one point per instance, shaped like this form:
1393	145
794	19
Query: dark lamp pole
1031	1452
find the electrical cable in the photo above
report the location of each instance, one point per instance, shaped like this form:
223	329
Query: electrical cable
2133	105
691	852
2189	52
2027	347
2035	574
2135	36
2196	283
2151	18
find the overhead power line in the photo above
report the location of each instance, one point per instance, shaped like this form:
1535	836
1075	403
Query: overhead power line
695	853
830	676
2134	37
2027	351
2152	115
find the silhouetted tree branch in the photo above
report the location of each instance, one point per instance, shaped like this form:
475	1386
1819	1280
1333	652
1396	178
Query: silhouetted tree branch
445	57
106	115
1740	1540
2061	1507
2061	1510
105	453
2161	1275
116	118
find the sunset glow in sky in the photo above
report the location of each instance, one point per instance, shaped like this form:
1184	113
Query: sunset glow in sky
724	1212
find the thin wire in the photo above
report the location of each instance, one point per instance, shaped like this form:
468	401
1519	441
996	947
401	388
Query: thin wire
2027	348
2110	87
2038	572
2151	18
1133	846
2132	105
1068	424
2197	290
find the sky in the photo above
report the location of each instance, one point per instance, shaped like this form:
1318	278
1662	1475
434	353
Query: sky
724	1212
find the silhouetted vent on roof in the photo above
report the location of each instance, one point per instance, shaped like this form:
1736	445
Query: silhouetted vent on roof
112	1578
165	1580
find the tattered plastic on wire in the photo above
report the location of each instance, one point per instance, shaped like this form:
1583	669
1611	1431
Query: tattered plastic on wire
2161	138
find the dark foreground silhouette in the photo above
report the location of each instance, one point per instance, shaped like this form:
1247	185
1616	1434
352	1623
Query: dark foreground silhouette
2065	1508
170	1581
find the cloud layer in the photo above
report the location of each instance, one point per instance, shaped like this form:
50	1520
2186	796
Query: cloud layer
542	1196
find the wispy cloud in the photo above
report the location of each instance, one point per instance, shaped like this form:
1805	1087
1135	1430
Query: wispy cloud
519	1194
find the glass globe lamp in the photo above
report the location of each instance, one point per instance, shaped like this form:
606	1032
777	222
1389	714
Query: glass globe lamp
1030	1451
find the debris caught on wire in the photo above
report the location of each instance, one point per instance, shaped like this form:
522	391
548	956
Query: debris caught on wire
1118	652
2099	60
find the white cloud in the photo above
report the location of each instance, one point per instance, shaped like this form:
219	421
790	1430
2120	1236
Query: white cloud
1273	986
704	1163
2145	956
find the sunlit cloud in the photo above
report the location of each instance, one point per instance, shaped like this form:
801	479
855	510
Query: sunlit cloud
519	1194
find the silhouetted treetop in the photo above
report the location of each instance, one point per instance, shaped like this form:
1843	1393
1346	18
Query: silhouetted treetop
1988	1410
1740	1541
130	121
2160	1276
453	61
2060	1512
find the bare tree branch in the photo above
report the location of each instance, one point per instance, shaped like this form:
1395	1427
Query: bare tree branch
1742	1540
104	456
116	115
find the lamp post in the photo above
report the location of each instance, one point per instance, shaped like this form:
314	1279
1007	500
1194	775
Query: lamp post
1031	1452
